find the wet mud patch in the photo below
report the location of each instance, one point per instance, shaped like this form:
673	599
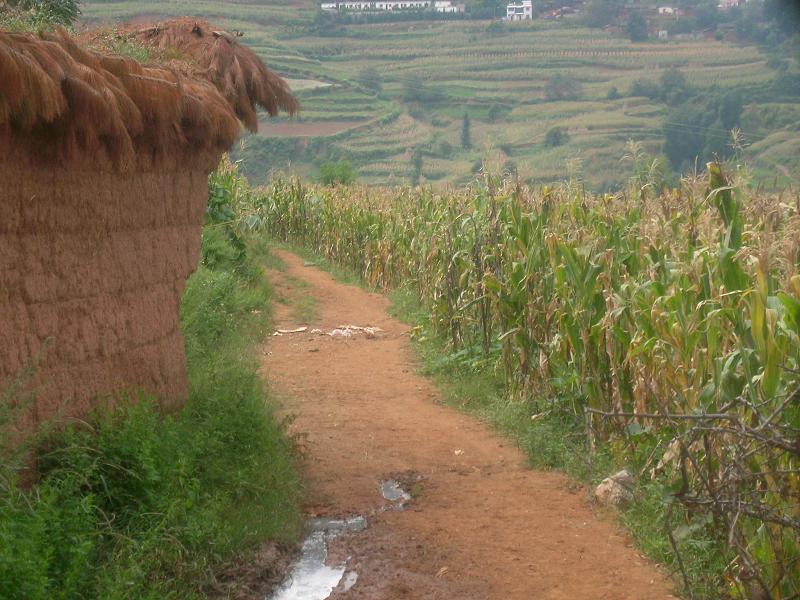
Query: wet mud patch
255	577
311	576
401	488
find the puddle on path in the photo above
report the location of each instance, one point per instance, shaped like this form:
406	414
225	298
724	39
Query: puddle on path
310	578
391	491
349	580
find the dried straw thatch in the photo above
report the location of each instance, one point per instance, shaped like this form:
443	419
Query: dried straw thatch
218	57
59	101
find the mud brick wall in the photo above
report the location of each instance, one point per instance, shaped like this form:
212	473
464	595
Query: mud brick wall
92	270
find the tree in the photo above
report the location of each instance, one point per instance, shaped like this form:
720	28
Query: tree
613	93
416	166
603	12
466	141
495	110
729	109
637	28
707	15
556	136
785	14
487	9
341	172
675	88
684	136
699	130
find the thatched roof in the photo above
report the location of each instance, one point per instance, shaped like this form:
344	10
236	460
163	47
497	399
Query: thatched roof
233	68
59	101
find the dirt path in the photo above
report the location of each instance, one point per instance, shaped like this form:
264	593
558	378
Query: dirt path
481	525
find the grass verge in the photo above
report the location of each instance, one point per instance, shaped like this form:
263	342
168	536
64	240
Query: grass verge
135	504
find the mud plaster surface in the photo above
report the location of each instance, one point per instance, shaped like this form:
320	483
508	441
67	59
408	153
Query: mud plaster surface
93	266
482	525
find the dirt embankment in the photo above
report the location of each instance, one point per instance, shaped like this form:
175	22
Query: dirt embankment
481	525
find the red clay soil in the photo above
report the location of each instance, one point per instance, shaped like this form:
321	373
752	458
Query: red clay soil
270	129
481	525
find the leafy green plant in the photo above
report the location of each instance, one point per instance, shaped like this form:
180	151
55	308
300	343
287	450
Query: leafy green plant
556	136
39	14
337	173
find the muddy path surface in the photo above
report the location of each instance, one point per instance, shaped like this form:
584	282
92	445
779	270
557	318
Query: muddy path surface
480	524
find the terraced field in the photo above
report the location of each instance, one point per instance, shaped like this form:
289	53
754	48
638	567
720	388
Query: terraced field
431	73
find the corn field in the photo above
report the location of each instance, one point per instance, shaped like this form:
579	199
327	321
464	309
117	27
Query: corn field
672	318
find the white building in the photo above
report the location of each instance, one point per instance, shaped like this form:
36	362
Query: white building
446	6
666	10
442	6
519	10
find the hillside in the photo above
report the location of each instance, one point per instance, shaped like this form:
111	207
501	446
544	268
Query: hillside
379	93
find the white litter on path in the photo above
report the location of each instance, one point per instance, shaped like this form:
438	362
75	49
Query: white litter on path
343	331
346	331
297	330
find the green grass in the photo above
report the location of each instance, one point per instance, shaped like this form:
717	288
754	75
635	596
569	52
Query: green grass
135	504
304	307
341	274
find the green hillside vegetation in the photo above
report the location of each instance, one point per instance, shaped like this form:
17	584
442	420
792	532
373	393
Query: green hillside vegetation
405	86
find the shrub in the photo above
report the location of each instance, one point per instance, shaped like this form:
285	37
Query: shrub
35	15
337	173
562	87
636	28
556	136
494	112
418	90
370	79
647	88
777	63
445	149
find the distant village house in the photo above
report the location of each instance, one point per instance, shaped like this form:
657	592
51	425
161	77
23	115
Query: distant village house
446	6
519	10
441	6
